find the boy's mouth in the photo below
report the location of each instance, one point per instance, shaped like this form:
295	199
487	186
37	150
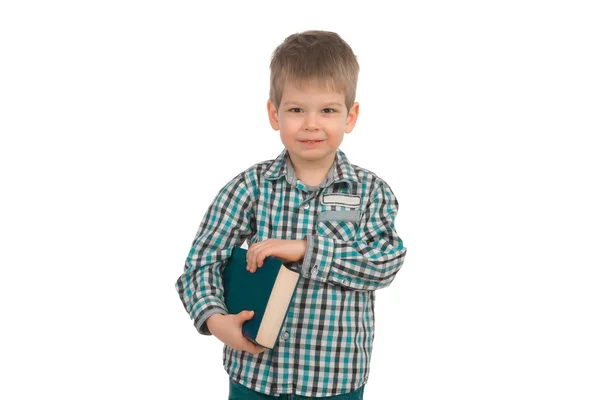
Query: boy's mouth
310	141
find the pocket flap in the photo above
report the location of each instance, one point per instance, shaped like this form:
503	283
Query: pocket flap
339	215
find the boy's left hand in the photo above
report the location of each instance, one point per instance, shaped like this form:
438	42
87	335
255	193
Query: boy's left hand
287	250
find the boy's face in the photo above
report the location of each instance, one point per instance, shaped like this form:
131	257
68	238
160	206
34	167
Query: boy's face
312	114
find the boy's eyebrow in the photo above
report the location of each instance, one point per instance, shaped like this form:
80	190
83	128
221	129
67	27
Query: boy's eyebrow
333	103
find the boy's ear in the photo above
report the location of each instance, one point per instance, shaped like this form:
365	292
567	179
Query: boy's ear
273	119
351	118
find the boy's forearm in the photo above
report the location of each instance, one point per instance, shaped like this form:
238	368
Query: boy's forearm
211	320
356	264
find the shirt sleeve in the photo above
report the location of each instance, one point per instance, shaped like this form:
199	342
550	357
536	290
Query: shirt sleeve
228	222
368	262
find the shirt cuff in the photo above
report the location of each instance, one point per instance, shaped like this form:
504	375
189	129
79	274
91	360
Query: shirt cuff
318	257
205	308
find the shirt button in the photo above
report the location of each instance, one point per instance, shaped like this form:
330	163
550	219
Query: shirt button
346	282
315	269
285	336
307	206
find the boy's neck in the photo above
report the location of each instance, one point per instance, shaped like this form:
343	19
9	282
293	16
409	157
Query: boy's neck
312	173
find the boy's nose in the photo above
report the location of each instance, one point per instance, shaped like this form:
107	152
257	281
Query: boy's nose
310	122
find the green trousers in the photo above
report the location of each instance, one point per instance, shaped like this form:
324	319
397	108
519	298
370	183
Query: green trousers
240	392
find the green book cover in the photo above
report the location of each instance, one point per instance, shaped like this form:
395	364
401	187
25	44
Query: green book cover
268	292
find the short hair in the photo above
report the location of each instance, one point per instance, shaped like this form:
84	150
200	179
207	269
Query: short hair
314	57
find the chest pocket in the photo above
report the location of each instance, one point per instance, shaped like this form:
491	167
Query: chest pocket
338	224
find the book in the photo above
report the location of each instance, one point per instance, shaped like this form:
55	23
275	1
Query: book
268	292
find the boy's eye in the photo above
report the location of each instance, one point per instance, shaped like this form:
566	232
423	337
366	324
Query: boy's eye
299	110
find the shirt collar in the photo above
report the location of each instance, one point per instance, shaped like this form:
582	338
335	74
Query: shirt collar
340	171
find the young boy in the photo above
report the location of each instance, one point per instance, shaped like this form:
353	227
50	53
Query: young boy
328	219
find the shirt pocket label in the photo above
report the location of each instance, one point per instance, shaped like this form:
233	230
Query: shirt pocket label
341	199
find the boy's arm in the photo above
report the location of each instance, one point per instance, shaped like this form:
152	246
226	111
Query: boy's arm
228	222
368	262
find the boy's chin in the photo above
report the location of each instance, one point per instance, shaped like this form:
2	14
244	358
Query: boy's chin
312	154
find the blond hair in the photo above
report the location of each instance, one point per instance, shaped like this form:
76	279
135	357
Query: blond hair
314	57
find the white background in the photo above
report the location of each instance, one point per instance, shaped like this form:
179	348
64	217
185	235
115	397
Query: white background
121	120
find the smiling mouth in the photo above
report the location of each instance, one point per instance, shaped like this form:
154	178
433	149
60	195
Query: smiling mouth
310	141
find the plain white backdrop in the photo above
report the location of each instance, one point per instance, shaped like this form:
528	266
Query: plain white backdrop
121	120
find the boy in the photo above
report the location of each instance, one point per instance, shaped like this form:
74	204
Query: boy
328	219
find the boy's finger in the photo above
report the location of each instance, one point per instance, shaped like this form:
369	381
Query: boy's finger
259	261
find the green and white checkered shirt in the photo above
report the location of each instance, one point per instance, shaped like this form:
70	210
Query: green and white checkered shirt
353	249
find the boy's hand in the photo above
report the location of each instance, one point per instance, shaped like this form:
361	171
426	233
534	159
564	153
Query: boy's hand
287	250
228	329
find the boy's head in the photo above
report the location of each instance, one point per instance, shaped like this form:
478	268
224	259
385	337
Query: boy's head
313	87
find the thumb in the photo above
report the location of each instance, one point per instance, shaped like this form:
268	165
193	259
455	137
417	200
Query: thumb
246	315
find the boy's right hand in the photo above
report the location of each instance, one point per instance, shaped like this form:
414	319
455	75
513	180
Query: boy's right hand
228	329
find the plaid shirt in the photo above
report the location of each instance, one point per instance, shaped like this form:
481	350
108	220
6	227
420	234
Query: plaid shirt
353	249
